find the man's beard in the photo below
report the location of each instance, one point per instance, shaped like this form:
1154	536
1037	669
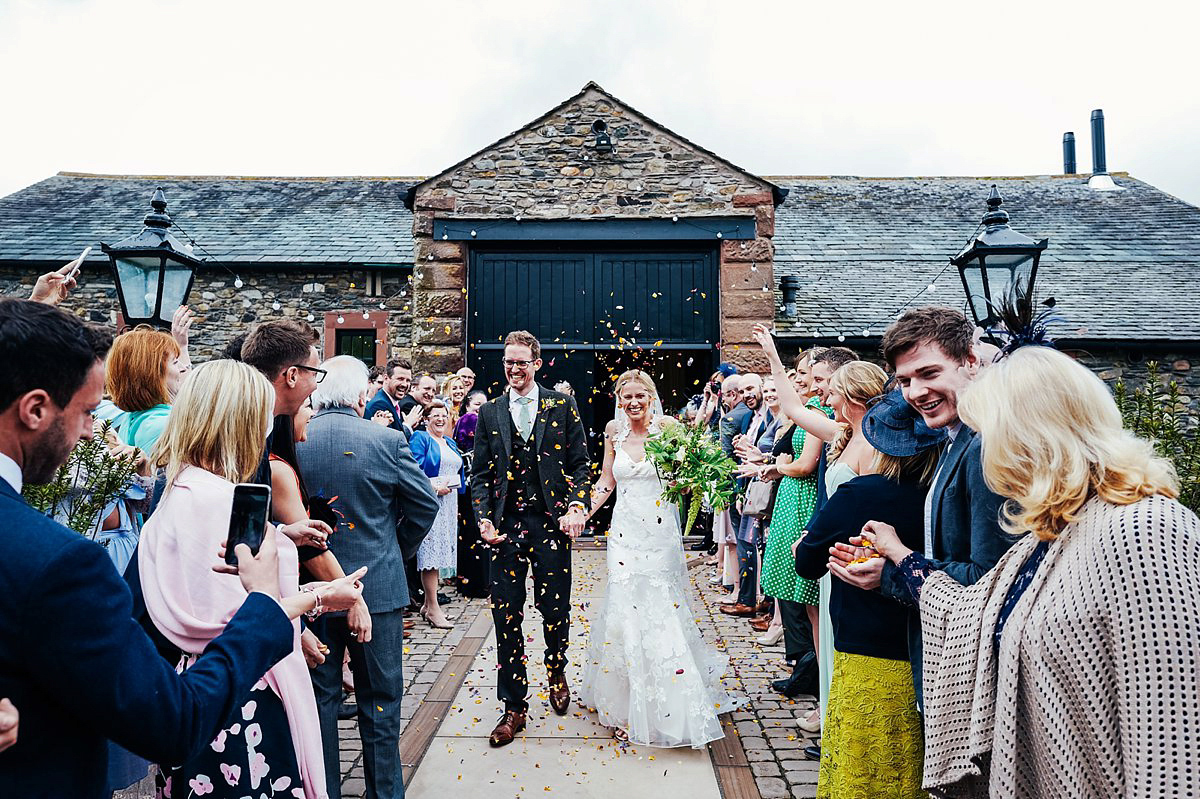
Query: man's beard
48	452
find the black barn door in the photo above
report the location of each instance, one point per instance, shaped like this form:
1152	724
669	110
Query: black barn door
596	313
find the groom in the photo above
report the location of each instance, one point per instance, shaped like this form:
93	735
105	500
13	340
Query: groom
530	489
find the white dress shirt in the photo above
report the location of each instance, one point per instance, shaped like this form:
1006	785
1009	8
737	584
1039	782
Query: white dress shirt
10	472
514	406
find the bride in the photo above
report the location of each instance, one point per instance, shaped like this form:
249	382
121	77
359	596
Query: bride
648	673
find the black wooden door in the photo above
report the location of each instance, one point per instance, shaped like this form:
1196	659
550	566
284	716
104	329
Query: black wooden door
595	313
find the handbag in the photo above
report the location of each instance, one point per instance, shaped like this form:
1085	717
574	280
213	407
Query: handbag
757	500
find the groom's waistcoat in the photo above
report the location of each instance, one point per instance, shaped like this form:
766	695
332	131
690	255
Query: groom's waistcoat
524	484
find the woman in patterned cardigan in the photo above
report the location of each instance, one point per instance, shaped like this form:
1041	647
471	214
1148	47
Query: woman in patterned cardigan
1070	668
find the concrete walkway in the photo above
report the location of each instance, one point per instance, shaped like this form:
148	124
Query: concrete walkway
569	754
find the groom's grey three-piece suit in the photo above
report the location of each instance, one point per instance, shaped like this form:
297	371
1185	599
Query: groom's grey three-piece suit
522	487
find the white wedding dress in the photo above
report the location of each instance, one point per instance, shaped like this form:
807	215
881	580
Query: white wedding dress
647	669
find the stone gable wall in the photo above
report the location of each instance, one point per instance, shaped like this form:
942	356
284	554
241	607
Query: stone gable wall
224	311
550	170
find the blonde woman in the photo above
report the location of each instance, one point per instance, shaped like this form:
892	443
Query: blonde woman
215	438
1070	668
648	673
454	391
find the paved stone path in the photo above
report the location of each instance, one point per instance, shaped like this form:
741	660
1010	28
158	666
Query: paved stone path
573	753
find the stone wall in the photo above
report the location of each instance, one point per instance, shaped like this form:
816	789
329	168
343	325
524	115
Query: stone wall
550	170
224	311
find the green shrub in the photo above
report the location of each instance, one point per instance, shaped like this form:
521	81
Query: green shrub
1158	410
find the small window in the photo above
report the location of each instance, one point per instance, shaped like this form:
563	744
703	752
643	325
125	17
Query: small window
359	343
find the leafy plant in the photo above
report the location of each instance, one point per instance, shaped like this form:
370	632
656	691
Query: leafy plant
694	467
1158	410
84	486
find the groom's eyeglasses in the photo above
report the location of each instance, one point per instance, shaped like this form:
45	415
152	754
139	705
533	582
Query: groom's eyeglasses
509	364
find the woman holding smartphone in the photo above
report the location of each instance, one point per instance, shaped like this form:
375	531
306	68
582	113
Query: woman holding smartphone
215	438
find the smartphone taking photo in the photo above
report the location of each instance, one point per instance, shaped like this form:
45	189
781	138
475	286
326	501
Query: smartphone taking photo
79	262
248	518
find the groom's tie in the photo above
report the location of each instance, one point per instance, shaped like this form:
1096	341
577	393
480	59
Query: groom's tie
524	416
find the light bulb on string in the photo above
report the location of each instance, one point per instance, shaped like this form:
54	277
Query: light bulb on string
841	336
237	282
366	315
932	287
341	319
275	305
310	317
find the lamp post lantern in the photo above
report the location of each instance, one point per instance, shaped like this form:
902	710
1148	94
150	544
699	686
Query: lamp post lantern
153	271
995	260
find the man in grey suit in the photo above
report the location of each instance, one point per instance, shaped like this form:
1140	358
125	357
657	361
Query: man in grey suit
386	506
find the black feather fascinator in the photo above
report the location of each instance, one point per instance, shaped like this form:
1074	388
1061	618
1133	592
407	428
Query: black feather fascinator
1022	322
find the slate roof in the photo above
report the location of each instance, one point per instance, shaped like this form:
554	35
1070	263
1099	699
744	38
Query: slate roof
1123	265
236	220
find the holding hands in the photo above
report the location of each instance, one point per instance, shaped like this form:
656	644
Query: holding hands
573	521
308	533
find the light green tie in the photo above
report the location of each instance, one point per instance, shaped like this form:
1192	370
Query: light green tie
525	416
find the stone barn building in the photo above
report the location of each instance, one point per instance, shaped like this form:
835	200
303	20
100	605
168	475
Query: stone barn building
619	242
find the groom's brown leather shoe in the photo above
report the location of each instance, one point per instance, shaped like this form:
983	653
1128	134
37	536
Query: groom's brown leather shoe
511	723
560	693
737	610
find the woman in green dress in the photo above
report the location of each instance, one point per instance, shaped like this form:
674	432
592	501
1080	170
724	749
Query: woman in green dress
796	462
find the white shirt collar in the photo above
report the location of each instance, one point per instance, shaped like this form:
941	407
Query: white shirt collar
533	395
953	429
10	472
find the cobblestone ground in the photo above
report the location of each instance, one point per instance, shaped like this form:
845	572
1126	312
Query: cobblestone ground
767	725
426	652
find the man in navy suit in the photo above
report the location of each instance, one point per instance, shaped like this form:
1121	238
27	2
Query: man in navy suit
73	662
396	381
932	351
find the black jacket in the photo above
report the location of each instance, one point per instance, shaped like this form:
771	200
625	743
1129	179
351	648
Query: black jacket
559	447
864	622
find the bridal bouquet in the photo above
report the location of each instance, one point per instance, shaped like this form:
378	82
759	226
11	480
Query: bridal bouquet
694	467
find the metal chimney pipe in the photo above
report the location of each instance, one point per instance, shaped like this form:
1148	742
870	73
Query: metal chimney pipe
1069	153
1099	163
790	286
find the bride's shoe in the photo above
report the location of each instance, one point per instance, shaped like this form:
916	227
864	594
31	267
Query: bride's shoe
620	735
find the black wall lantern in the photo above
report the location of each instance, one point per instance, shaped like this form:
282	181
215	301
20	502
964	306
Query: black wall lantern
789	286
604	143
153	270
994	260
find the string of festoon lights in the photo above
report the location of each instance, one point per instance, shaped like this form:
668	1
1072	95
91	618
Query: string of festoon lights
238	283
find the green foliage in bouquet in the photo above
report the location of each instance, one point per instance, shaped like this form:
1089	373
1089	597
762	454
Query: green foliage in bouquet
694	467
1158	410
91	478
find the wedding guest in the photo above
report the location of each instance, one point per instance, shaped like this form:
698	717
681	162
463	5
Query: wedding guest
145	371
387	507
468	376
734	421
1068	669
214	439
474	559
933	354
454	391
796	454
82	642
442	461
290	505
388	398
870	646
754	448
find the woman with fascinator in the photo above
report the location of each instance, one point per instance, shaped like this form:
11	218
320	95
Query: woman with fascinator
648	673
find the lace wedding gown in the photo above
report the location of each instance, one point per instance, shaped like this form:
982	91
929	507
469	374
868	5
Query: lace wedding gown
647	669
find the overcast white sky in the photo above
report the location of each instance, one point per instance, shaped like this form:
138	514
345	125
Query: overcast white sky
780	88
